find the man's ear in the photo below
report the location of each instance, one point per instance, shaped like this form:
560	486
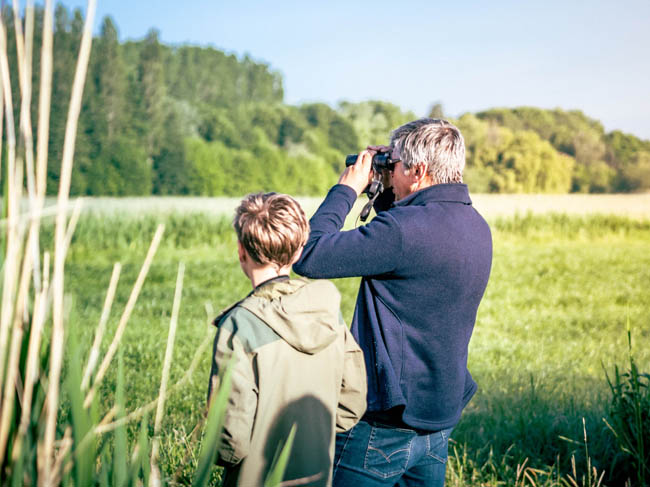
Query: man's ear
420	171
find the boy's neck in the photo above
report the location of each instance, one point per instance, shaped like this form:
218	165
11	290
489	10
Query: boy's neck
261	274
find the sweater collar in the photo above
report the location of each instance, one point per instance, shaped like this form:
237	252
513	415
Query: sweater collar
438	193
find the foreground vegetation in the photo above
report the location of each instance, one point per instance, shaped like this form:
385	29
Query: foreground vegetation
552	322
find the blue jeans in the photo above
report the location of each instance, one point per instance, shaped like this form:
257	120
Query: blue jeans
374	455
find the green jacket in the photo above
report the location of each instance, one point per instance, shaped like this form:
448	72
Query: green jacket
296	362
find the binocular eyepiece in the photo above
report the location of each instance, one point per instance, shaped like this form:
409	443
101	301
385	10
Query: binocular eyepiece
380	161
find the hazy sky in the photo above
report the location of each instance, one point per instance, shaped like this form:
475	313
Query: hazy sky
588	55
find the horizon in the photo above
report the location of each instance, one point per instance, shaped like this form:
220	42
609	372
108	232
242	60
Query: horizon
583	56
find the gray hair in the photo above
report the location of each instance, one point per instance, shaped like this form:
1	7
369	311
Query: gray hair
435	142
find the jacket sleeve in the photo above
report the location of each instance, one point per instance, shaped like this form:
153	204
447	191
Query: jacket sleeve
242	402
368	250
352	399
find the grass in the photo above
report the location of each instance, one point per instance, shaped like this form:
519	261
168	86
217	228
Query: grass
490	205
553	318
560	285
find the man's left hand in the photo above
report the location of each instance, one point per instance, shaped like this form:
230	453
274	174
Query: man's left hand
359	175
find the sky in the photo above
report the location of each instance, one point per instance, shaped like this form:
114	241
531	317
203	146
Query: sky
592	56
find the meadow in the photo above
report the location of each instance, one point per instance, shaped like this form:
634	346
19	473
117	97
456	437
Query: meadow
566	290
563	289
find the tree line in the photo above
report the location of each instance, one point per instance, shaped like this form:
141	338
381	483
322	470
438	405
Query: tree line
187	120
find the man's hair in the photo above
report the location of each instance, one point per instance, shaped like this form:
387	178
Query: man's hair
271	227
435	142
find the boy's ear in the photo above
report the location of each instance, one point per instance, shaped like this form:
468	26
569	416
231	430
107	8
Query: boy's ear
241	252
297	256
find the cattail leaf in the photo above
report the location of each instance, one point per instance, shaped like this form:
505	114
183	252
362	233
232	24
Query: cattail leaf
279	465
212	434
120	452
143	444
103	474
82	426
18	468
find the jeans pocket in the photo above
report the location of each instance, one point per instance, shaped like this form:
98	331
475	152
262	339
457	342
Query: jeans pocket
438	445
388	451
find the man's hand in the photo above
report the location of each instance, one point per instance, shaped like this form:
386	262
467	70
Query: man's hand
359	175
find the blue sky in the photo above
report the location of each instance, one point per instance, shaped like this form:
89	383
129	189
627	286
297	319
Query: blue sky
469	55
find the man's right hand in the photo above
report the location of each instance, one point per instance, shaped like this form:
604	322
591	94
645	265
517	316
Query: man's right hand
359	175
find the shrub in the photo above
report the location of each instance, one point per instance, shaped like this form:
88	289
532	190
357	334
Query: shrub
629	420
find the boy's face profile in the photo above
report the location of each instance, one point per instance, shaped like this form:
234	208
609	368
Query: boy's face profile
244	258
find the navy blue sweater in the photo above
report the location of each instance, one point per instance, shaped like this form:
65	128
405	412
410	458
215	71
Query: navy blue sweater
424	264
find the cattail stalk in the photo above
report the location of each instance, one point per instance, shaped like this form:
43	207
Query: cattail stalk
33	352
20	311
60	248
93	357
14	355
26	131
42	137
24	48
155	471
103	368
12	258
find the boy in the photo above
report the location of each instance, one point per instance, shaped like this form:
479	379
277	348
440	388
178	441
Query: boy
295	360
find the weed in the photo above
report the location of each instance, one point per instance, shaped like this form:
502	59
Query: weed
629	418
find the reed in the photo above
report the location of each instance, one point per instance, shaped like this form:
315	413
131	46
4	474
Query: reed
52	427
155	471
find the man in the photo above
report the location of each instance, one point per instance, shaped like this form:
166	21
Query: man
424	261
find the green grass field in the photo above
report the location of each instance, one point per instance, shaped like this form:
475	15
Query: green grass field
553	319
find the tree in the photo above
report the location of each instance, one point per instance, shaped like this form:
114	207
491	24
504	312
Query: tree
152	93
436	111
109	80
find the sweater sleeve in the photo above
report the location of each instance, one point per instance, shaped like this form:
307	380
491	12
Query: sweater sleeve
368	250
242	402
352	399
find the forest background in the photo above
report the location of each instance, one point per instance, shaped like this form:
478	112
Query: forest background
187	120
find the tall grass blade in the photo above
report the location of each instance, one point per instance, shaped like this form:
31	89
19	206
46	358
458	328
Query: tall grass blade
120	453
104	479
93	357
279	465
629	415
212	434
135	292
13	256
155	471
60	247
143	446
82	424
17	474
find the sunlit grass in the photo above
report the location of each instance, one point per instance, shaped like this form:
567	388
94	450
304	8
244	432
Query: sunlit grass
553	316
490	205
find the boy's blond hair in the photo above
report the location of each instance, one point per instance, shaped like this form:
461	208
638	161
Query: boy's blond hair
271	227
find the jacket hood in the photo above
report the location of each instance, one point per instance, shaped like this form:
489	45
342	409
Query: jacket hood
304	313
